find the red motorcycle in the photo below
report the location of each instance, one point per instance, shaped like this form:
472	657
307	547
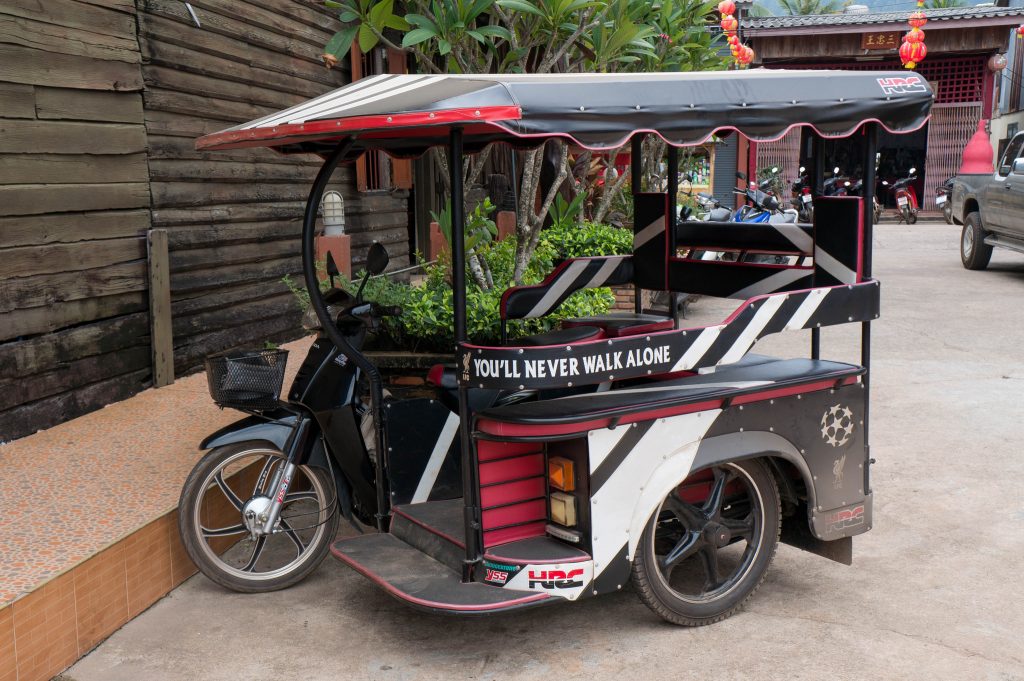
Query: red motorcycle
906	198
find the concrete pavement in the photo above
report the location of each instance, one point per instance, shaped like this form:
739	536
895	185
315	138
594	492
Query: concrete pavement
933	591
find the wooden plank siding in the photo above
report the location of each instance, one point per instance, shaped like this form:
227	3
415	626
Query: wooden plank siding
100	105
233	218
74	210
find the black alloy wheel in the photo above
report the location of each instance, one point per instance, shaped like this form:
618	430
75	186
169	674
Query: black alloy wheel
707	547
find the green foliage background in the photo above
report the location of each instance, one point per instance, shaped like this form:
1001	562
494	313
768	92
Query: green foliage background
427	320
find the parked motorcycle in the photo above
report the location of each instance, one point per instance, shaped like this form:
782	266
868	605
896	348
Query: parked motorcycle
304	459
944	199
906	198
857	189
803	199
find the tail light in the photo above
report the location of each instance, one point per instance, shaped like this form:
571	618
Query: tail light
806	190
562	477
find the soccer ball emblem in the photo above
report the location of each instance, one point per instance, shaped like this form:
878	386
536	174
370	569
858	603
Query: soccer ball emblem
837	425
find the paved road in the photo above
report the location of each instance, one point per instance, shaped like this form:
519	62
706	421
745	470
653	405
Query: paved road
933	591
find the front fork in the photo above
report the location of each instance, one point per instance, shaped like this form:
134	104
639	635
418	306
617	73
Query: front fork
283	477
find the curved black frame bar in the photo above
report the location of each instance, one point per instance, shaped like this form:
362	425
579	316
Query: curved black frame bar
316	300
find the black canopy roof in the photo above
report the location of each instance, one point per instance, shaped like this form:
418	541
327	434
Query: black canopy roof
409	113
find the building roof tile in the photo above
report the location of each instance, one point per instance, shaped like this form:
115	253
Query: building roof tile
758	24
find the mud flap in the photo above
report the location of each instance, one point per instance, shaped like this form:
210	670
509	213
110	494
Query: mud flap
796	533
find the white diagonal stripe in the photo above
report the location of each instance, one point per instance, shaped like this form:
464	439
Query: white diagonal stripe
837	269
750	334
335	96
563	282
771	283
601	446
441	447
606	271
796	236
698	348
381	91
649	232
806	309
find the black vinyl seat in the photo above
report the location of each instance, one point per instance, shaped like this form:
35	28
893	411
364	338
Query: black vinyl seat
727	381
569	334
618	324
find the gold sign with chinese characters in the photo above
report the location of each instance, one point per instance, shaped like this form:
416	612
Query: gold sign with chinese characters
880	41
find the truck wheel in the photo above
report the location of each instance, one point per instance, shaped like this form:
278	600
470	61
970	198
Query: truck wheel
974	252
707	547
947	212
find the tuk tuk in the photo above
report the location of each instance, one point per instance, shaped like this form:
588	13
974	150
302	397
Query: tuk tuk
627	446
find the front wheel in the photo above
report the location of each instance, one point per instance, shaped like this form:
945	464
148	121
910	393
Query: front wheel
974	252
219	519
707	547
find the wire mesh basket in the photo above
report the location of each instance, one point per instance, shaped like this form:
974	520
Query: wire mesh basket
249	380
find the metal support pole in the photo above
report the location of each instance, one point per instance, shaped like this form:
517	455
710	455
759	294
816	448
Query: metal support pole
636	168
818	172
870	146
673	191
470	488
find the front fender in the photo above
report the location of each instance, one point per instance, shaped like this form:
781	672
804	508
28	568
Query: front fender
276	427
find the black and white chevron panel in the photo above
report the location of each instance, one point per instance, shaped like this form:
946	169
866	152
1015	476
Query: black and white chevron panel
742	280
527	302
746	236
650	240
667	351
838	240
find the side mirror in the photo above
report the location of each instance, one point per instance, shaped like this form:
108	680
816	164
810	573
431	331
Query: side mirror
802	169
740	175
775	169
377	259
885	183
332	268
912	171
1018	166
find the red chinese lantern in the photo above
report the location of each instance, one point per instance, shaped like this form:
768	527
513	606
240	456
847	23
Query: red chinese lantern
1020	31
733	39
915	35
912	53
729	24
726	7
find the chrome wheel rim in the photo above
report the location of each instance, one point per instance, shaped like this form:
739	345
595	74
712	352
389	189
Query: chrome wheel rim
967	242
720	540
240	482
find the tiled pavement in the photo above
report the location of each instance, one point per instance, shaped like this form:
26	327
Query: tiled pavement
88	526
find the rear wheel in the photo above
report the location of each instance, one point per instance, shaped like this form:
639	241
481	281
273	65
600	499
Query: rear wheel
912	217
707	547
218	518
974	252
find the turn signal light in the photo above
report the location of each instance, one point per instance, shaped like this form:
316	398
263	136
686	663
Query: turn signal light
560	474
563	509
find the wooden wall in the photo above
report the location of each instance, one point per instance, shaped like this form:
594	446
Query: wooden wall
74	209
100	104
233	217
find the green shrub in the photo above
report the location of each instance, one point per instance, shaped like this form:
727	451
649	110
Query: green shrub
427	321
